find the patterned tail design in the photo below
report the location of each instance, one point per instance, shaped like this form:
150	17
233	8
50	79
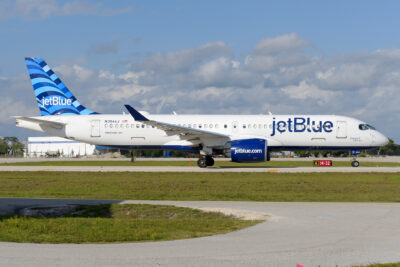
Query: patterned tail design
52	96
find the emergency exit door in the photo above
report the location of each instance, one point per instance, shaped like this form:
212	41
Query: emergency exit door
95	132
341	130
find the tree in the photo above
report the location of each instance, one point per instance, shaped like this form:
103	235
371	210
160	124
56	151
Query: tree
3	147
390	149
11	144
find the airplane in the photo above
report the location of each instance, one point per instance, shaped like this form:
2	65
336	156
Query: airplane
243	138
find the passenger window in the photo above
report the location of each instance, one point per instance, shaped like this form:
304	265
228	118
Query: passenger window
189	125
199	125
249	126
122	126
142	125
205	126
105	125
147	126
216	126
137	126
265	126
132	125
194	125
244	126
225	126
116	125
211	126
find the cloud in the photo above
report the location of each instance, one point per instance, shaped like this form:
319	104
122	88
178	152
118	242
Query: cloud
278	75
182	60
280	44
105	48
43	9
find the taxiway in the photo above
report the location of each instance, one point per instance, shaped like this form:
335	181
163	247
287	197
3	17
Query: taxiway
325	234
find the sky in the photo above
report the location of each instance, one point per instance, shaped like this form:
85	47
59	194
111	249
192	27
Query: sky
207	57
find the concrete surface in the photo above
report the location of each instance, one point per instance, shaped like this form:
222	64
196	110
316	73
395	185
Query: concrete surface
325	234
310	159
195	169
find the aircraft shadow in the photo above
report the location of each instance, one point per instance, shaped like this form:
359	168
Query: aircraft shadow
40	207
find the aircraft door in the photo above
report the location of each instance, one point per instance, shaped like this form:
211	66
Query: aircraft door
95	128
341	130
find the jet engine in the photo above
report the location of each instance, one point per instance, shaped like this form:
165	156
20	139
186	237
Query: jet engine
249	150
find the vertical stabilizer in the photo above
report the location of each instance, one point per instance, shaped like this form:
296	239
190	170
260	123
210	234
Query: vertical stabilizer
52	96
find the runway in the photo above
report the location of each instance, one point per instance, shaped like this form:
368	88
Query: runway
195	169
325	234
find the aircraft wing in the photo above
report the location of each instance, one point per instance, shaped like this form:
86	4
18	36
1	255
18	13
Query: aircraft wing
54	124
173	129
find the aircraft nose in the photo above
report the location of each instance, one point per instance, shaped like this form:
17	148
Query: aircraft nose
381	140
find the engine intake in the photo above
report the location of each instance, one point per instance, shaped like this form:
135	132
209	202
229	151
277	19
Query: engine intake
249	150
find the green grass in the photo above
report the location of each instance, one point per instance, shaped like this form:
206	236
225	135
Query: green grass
353	187
380	265
118	223
193	162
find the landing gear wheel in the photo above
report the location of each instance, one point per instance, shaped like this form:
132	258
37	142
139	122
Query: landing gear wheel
209	161
202	162
355	163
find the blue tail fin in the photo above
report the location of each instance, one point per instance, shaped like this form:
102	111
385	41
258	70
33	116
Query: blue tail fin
52	96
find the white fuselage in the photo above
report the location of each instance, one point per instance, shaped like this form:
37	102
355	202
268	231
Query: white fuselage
282	132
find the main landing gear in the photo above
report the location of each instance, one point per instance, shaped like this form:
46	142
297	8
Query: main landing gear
205	161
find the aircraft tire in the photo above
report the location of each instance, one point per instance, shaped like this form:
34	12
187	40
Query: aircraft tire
355	163
209	161
202	162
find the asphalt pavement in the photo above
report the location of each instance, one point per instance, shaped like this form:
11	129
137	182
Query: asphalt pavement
314	234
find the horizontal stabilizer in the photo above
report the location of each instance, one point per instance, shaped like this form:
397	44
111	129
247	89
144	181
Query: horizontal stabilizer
54	124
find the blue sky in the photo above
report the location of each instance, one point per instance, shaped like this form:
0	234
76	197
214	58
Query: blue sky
318	57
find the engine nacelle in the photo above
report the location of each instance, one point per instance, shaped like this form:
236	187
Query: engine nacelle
249	150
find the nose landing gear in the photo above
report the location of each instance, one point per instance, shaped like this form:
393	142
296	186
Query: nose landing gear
205	161
354	153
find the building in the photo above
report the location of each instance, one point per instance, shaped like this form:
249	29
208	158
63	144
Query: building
50	146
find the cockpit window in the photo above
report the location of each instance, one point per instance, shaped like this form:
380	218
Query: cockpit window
364	127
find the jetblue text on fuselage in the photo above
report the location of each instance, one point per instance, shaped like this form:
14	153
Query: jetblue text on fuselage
301	124
56	101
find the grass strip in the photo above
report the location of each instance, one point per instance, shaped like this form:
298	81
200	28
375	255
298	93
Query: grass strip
380	265
118	223
193	162
338	187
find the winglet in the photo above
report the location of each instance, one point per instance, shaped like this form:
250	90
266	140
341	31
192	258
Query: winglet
136	114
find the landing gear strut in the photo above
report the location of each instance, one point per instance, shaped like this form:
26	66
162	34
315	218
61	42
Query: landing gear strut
132	156
205	161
